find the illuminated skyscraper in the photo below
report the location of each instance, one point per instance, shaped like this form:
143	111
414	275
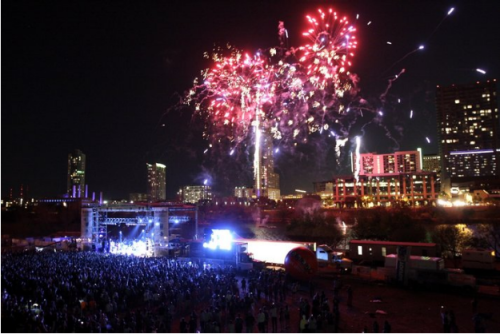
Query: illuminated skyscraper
76	174
269	180
156	182
468	129
194	194
392	163
432	163
243	192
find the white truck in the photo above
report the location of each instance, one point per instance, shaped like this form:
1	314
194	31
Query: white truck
327	256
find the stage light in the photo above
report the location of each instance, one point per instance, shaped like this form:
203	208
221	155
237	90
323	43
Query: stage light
221	239
136	248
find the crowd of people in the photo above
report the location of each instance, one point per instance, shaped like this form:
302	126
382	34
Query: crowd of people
95	292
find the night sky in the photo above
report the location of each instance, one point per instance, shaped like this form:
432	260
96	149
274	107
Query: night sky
105	77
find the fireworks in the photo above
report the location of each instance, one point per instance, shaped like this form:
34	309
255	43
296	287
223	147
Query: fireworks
243	94
451	10
358	162
232	96
329	55
315	91
324	65
287	93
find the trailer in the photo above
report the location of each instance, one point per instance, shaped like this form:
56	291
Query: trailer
416	262
423	270
270	251
245	260
376	251
274	253
477	258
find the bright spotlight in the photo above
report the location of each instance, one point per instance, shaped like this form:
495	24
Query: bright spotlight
221	239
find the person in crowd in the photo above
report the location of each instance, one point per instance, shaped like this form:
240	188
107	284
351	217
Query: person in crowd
387	327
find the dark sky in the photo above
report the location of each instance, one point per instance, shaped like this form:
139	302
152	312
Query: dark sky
101	75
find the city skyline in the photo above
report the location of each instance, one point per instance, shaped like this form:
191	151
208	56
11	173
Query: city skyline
101	77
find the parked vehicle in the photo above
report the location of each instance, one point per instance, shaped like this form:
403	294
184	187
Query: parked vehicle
477	258
417	262
425	270
376	251
327	256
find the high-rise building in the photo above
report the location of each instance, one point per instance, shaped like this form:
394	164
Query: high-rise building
324	189
431	163
382	180
269	180
138	197
413	189
76	174
468	129
243	192
194	194
373	164
156	182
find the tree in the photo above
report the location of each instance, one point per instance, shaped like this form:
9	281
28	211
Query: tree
369	225
401	226
408	231
487	236
315	227
452	238
394	224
